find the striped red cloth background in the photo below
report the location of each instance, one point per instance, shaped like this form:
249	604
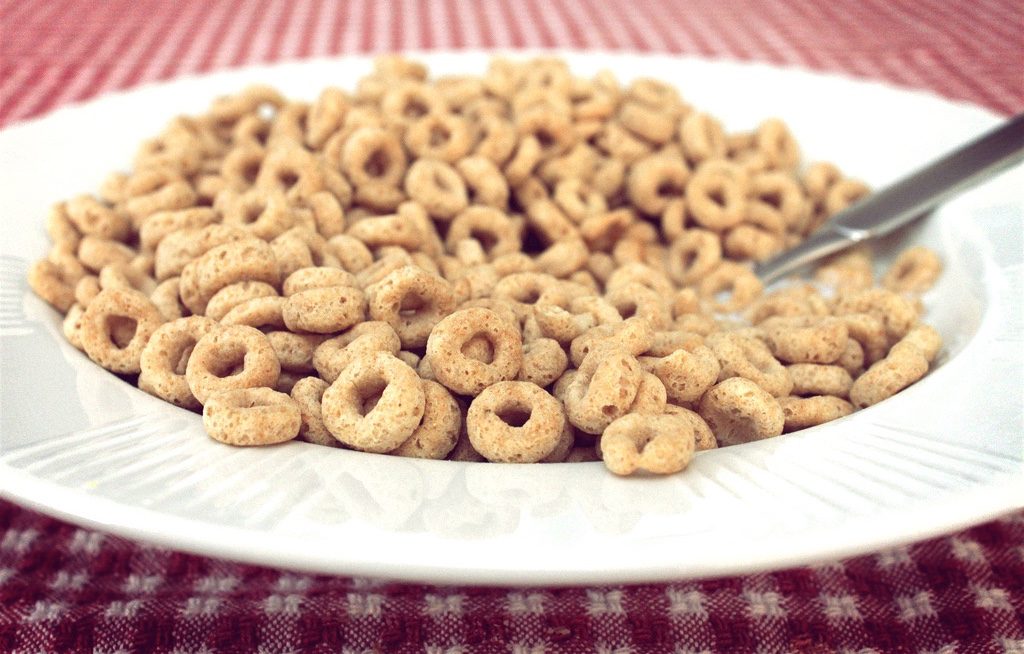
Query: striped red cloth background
64	589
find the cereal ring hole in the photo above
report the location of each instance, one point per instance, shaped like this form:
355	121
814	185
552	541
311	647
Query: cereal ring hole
378	163
479	348
121	330
515	415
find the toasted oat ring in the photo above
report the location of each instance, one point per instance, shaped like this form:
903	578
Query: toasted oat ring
649	123
367	338
93	218
782	192
750	242
307	393
815	379
326	116
483	181
305	279
659	444
165	356
692	255
740	411
775	142
687	373
259	312
116	326
804	412
444	137
738	280
466	375
897	313
633	299
705	439
48	282
843	194
412	301
266	213
216	356
806	339
95	253
232	295
904	365
702	137
914	271
544	361
515	422
439	429
438	187
634	334
324	310
158	225
408	101
603	389
742	356
656	180
351	253
251	416
716	198
394	417
373	155
248	260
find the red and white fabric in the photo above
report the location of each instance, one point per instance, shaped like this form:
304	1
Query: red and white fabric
65	589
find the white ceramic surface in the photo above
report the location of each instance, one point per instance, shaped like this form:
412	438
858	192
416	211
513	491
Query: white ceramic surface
79	443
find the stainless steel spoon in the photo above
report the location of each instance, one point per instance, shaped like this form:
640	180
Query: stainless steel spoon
908	199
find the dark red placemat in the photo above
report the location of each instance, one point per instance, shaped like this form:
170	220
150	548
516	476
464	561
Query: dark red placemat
64	589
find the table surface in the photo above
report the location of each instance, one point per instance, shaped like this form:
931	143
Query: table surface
66	589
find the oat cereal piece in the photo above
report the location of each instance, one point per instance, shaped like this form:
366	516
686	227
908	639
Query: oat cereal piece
702	435
178	249
351	253
71	326
233	295
659	444
93	218
896	312
849	270
716	198
843	195
373	156
805	339
439	429
367	338
740	411
906	363
259	312
305	279
774	140
249	260
544	361
667	342
634	334
816	379
639	301
651	396
749	358
687	372
231	358
852	358
738	281
914	271
116	327
925	338
48	282
463	374
603	388
165	356
701	137
251	416
564	258
515	422
412	301
437	187
295	351
655	181
166	299
375	404
324	310
94	253
307	394
804	412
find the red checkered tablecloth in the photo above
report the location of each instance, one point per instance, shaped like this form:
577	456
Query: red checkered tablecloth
65	589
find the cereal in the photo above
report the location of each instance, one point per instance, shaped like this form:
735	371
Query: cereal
251	416
374	405
234	357
515	422
513	267
115	328
464	374
740	411
165	356
660	444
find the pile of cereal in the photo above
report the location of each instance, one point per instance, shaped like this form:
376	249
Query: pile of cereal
520	267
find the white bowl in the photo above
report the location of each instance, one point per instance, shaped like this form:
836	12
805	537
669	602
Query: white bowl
81	444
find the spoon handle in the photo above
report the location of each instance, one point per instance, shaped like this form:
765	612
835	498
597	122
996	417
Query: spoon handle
908	199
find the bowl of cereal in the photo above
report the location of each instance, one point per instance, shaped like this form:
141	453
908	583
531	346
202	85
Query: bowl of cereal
484	319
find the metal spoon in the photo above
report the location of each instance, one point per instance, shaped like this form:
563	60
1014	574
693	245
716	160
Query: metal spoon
908	199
